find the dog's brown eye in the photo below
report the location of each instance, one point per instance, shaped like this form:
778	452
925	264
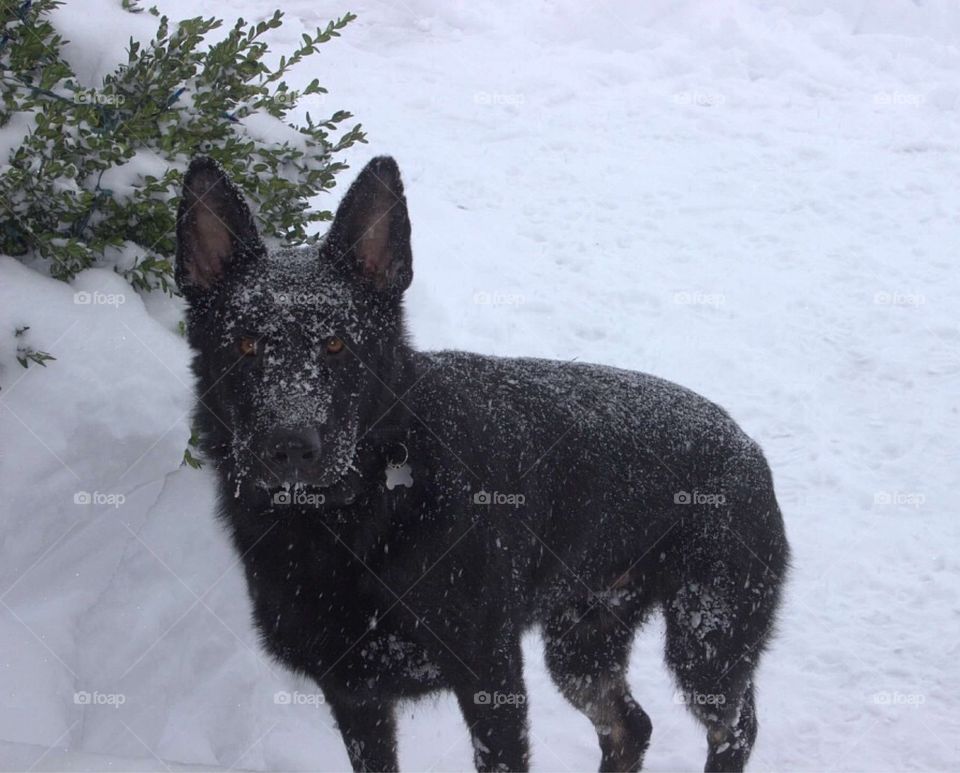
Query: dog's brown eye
247	346
334	345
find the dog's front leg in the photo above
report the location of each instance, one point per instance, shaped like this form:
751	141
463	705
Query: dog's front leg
369	732
494	704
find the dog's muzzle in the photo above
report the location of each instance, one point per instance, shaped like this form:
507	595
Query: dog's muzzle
293	456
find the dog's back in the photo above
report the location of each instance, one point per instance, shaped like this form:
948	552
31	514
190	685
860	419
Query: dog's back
593	450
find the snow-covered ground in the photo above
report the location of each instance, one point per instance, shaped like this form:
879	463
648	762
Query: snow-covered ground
760	203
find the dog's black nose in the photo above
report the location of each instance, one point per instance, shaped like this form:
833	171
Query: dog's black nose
292	449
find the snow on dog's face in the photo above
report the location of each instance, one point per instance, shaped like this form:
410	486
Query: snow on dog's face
297	349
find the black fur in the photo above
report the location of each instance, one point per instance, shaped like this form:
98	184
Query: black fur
568	496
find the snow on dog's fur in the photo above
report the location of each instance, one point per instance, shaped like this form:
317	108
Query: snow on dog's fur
531	492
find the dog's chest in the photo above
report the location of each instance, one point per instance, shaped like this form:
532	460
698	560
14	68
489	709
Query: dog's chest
337	624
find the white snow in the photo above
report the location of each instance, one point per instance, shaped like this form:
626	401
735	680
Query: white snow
760	203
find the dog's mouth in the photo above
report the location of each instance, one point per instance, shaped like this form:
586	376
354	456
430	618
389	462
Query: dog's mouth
295	473
317	477
325	486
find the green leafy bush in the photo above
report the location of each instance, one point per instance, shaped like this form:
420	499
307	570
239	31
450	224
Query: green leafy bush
95	179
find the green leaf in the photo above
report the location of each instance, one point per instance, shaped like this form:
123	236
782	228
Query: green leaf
190	460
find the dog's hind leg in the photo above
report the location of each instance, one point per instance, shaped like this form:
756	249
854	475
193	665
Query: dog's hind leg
713	646
587	650
721	590
369	733
724	704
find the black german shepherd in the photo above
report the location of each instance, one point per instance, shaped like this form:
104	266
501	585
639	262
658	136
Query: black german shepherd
403	516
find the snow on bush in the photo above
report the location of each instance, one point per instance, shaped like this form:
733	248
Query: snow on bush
91	164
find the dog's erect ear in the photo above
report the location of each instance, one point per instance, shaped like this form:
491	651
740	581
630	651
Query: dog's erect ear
215	230
370	235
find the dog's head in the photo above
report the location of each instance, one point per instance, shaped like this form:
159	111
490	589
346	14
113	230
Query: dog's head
298	351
